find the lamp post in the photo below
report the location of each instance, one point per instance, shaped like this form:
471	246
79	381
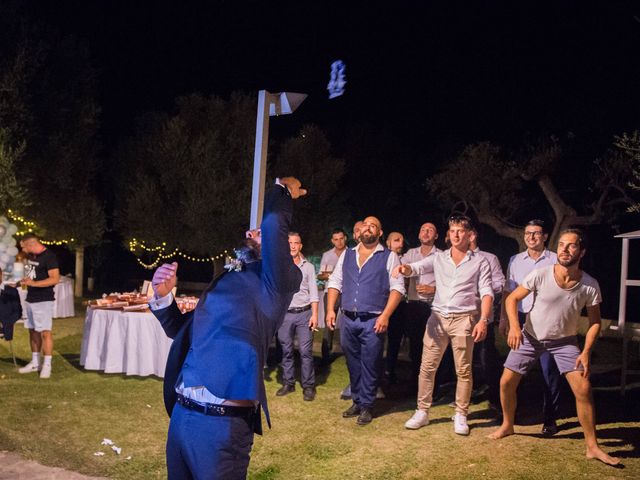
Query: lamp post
269	105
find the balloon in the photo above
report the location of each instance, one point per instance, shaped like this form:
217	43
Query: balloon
9	241
3	230
3	247
12	229
4	258
12	251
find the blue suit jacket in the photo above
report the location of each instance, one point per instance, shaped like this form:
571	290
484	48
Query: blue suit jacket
229	332
10	310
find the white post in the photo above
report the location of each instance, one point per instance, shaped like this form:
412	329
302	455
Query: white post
260	159
79	271
624	272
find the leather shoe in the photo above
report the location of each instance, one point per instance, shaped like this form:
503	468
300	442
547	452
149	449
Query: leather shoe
285	390
308	394
365	417
549	429
352	411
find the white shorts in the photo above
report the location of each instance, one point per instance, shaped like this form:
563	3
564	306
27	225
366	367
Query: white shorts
39	316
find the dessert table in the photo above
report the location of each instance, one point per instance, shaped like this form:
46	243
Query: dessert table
117	341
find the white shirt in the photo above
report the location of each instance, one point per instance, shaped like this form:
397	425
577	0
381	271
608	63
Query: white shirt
308	291
556	311
335	280
520	266
428	278
497	277
329	259
459	288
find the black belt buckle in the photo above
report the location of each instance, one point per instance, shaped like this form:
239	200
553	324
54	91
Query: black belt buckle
299	309
363	316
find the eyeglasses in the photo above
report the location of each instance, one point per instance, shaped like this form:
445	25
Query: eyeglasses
533	234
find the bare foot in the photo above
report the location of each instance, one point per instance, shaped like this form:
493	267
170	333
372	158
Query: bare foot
503	431
597	453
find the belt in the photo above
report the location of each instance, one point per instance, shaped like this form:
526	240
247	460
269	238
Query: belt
424	302
299	309
214	409
362	316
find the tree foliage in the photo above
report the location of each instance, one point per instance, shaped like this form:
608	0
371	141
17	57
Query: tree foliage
13	194
189	181
629	144
48	105
308	157
503	189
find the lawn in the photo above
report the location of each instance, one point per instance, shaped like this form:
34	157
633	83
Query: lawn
61	422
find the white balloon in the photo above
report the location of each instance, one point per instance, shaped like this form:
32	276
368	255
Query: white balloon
3	230
12	229
3	219
4	258
3	265
11	242
3	247
13	251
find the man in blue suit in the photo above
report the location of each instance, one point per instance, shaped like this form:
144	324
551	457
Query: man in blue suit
213	385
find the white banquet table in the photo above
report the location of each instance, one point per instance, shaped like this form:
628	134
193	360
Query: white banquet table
115	341
63	304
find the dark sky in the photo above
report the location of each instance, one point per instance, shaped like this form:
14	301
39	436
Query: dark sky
429	71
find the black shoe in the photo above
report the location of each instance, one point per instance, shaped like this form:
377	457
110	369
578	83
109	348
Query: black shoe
285	390
308	394
352	411
365	417
549	429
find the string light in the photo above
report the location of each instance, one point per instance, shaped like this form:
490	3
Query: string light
28	226
163	254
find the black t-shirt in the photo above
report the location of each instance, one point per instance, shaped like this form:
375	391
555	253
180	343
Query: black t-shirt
37	268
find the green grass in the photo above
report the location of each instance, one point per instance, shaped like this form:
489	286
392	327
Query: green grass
61	422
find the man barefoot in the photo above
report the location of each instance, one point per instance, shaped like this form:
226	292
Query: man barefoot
560	291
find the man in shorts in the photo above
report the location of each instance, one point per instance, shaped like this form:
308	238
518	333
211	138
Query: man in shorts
560	293
41	274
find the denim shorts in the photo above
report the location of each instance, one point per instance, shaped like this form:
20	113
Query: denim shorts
564	351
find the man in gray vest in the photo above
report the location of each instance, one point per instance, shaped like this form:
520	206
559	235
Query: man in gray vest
369	296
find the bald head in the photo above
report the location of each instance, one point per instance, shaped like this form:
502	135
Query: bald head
371	231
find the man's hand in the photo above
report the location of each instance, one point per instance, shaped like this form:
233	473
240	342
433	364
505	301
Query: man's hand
424	289
479	332
514	339
294	186
401	270
323	276
330	319
27	282
503	326
382	323
164	279
584	360
313	323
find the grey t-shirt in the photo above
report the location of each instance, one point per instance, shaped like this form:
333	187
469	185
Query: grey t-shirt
556	310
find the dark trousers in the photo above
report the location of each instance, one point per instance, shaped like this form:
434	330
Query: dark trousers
409	320
489	369
363	348
552	378
297	324
328	334
205	447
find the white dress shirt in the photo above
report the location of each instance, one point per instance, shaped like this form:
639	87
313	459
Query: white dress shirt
415	255
497	277
459	288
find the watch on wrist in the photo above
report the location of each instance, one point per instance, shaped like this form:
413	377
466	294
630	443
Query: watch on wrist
485	320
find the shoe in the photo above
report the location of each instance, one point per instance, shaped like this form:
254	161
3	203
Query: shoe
365	417
380	394
549	429
30	368
352	411
460	424
46	371
285	390
308	394
346	393
419	419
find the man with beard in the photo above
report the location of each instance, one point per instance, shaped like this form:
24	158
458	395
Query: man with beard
520	265
369	296
561	292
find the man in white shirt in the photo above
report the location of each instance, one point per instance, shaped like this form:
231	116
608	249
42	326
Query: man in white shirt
300	320
369	295
463	280
520	265
485	354
416	310
327	264
561	292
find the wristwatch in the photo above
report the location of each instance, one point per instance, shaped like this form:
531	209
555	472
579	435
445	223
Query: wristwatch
485	320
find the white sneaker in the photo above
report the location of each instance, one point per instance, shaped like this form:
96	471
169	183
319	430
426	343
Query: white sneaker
460	424
29	368
46	371
420	419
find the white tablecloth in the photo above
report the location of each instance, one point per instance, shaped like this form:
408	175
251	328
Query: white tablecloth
63	303
124	342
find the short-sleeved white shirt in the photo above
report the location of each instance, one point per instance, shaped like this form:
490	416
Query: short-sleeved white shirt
556	311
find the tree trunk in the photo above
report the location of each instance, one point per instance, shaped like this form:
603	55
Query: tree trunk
79	271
